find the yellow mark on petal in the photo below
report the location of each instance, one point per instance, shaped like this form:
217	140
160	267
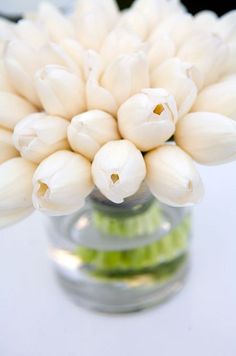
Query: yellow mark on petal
158	109
43	187
115	177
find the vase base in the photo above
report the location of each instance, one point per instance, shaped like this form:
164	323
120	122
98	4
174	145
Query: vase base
127	293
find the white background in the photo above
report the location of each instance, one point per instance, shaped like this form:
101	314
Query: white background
37	319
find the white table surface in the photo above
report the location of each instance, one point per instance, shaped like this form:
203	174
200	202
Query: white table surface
38	319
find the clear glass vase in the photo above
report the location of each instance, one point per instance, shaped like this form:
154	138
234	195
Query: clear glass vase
121	257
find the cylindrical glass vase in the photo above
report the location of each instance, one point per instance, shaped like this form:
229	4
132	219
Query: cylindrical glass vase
121	257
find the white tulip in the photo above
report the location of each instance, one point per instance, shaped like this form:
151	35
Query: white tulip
12	109
227	26
118	170
12	217
119	41
172	176
181	79
75	51
88	131
108	7
5	82
230	65
178	26
15	187
7	150
148	119
219	98
210	138
126	75
160	50
134	21
31	33
56	25
206	21
99	98
150	9
91	28
55	54
7	33
39	135
61	183
207	52
21	62
61	91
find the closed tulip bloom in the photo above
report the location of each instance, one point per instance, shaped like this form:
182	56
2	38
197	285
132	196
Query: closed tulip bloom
205	21
148	118
88	131
150	10
39	135
172	176
56	25
160	50
227	26
207	52
15	189
91	28
12	109
210	138
61	91
21	62
219	97
119	41
181	79
5	82
61	183
7	33
75	51
134	21
7	150
14	216
121	79
118	170
31	33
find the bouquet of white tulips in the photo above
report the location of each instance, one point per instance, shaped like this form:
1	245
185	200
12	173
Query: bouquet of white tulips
109	99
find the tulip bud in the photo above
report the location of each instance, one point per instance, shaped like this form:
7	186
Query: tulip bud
207	52
39	135
7	150
109	8
91	28
75	51
12	109
178	26
7	33
118	170
88	131
126	75
15	189
56	25
161	49
148	119
21	62
119	41
12	217
133	20
172	176
205	21
180	79
61	183
150	10
209	138
5	82
227	26
32	34
219	98
61	91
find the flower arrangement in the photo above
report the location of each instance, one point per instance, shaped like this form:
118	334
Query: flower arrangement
111	99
